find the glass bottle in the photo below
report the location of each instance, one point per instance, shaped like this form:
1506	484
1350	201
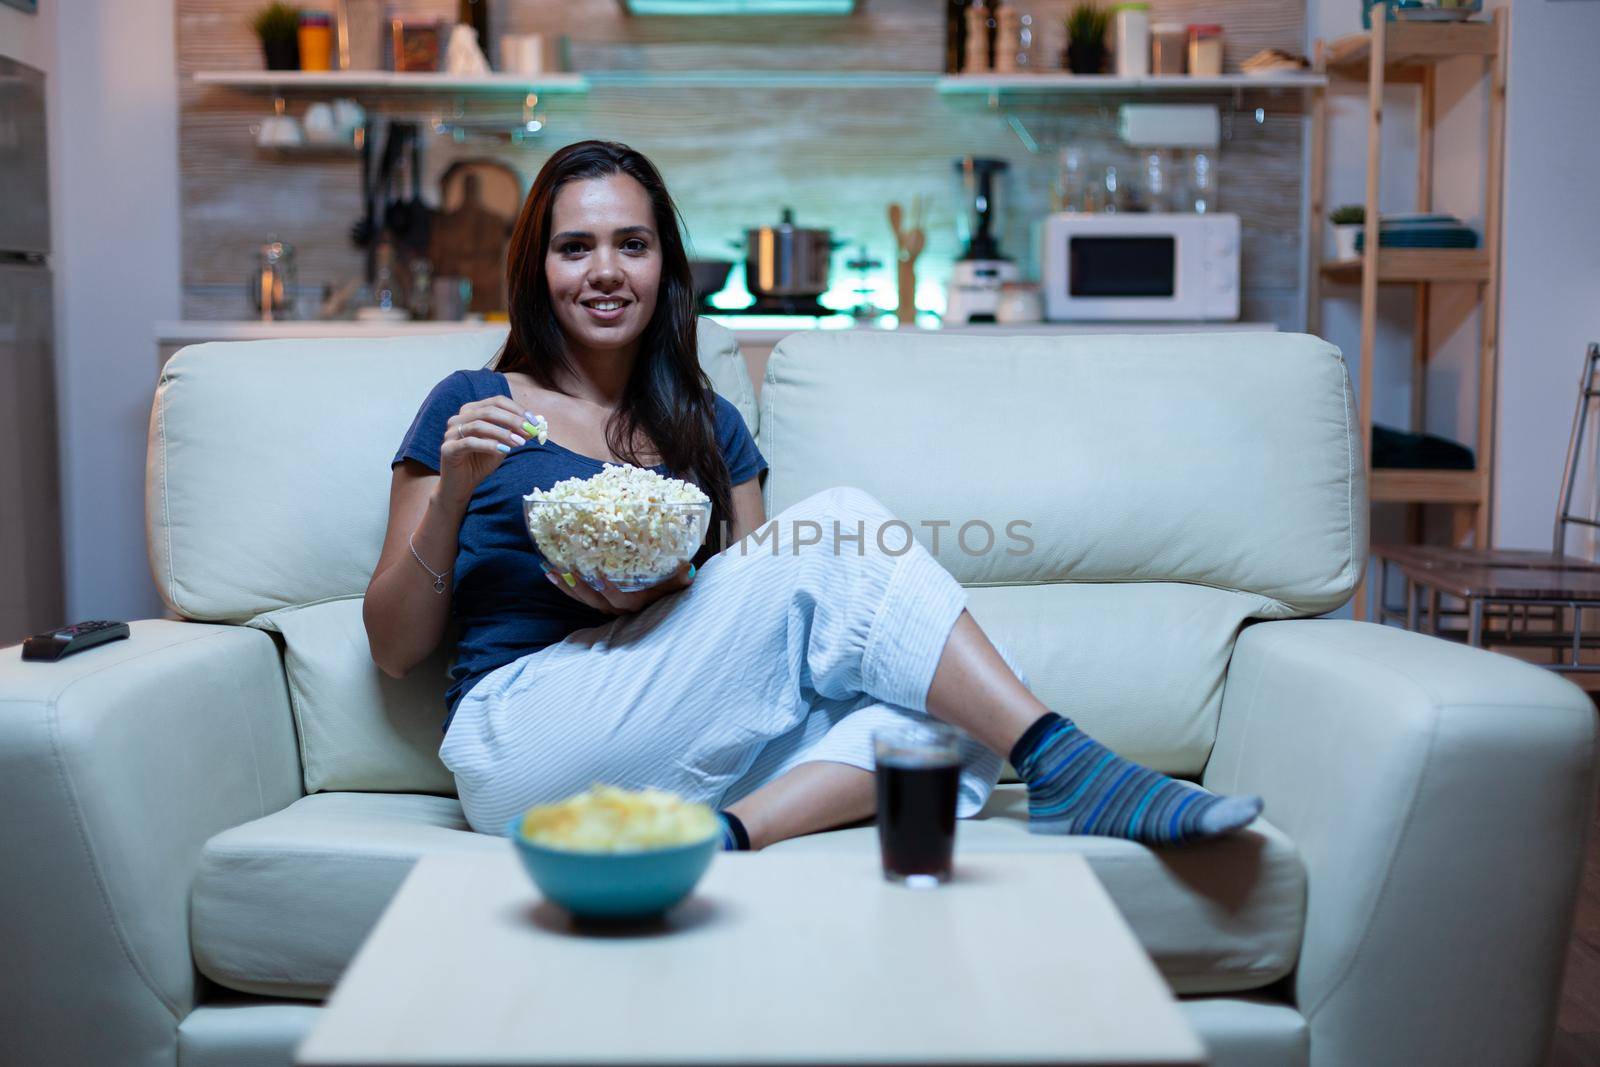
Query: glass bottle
1202	182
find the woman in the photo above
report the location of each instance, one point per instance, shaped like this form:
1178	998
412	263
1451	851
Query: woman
752	679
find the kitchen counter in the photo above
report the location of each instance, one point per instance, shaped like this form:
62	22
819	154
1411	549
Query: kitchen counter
758	329
757	334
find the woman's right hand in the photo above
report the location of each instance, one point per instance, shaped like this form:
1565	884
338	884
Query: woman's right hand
476	439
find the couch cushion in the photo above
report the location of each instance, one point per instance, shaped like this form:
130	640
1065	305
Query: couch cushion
1226	460
268	481
281	904
358	727
1140	664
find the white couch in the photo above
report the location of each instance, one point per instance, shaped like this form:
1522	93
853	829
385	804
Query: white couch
201	823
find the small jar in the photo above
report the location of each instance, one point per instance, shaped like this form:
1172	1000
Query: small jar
1169	42
1020	302
1205	50
1133	39
316	41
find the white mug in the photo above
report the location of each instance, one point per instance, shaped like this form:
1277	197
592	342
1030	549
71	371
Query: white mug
280	130
522	53
347	116
319	123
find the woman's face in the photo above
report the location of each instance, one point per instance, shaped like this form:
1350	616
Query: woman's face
604	263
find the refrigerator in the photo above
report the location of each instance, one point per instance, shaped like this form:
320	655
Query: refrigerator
31	583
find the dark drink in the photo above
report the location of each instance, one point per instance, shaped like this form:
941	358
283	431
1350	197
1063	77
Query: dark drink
918	773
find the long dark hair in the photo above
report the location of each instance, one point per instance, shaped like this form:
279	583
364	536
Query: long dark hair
668	399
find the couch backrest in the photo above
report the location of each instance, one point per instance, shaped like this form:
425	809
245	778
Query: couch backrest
266	500
268	477
1172	486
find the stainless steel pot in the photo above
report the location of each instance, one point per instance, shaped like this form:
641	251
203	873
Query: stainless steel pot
787	260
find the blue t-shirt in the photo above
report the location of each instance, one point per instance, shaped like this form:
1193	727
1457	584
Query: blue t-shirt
503	606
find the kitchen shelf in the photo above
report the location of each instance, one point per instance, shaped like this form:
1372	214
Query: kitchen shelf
388	81
312	150
1416	265
1408	486
1411	45
1057	82
762	79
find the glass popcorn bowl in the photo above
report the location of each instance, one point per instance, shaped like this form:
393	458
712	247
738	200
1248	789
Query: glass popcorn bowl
633	544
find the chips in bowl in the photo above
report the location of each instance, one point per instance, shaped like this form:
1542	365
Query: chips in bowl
608	819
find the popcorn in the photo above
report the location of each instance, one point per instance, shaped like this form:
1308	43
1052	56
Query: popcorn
629	523
538	426
608	819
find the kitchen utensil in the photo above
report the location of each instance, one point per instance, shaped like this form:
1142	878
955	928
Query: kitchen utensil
499	187
787	260
710	277
366	227
279	128
416	216
863	264
469	242
272	284
909	244
321	128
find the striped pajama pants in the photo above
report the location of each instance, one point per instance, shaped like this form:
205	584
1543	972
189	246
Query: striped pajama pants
780	652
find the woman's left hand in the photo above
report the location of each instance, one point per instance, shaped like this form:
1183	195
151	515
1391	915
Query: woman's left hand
613	601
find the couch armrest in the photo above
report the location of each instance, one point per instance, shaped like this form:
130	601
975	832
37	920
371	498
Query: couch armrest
116	765
1440	796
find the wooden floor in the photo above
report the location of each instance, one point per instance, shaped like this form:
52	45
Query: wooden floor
1577	1040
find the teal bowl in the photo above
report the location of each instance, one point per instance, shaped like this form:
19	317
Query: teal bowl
614	886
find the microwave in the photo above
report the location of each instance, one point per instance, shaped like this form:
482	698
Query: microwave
1139	266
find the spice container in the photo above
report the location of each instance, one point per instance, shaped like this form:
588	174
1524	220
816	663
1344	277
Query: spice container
977	56
1205	50
1133	39
316	41
1168	43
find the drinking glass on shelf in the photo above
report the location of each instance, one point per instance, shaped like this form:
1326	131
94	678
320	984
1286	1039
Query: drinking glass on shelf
918	770
1202	182
1157	183
1072	180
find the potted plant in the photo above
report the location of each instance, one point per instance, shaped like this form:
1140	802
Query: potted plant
1347	222
278	26
1086	39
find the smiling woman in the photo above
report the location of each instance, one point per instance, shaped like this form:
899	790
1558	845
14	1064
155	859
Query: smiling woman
758	683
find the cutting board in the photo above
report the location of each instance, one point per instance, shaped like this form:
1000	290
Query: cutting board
469	241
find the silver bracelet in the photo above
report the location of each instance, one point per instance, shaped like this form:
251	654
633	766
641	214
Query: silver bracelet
438	579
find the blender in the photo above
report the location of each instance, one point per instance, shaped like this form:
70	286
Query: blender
977	276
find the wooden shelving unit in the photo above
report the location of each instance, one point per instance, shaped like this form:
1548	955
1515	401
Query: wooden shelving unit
1410	53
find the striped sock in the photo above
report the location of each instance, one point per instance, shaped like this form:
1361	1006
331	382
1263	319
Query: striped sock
1078	786
734	836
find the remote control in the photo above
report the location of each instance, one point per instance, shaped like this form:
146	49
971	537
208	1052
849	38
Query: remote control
54	644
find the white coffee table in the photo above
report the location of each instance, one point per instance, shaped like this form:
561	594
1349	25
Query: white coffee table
808	958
